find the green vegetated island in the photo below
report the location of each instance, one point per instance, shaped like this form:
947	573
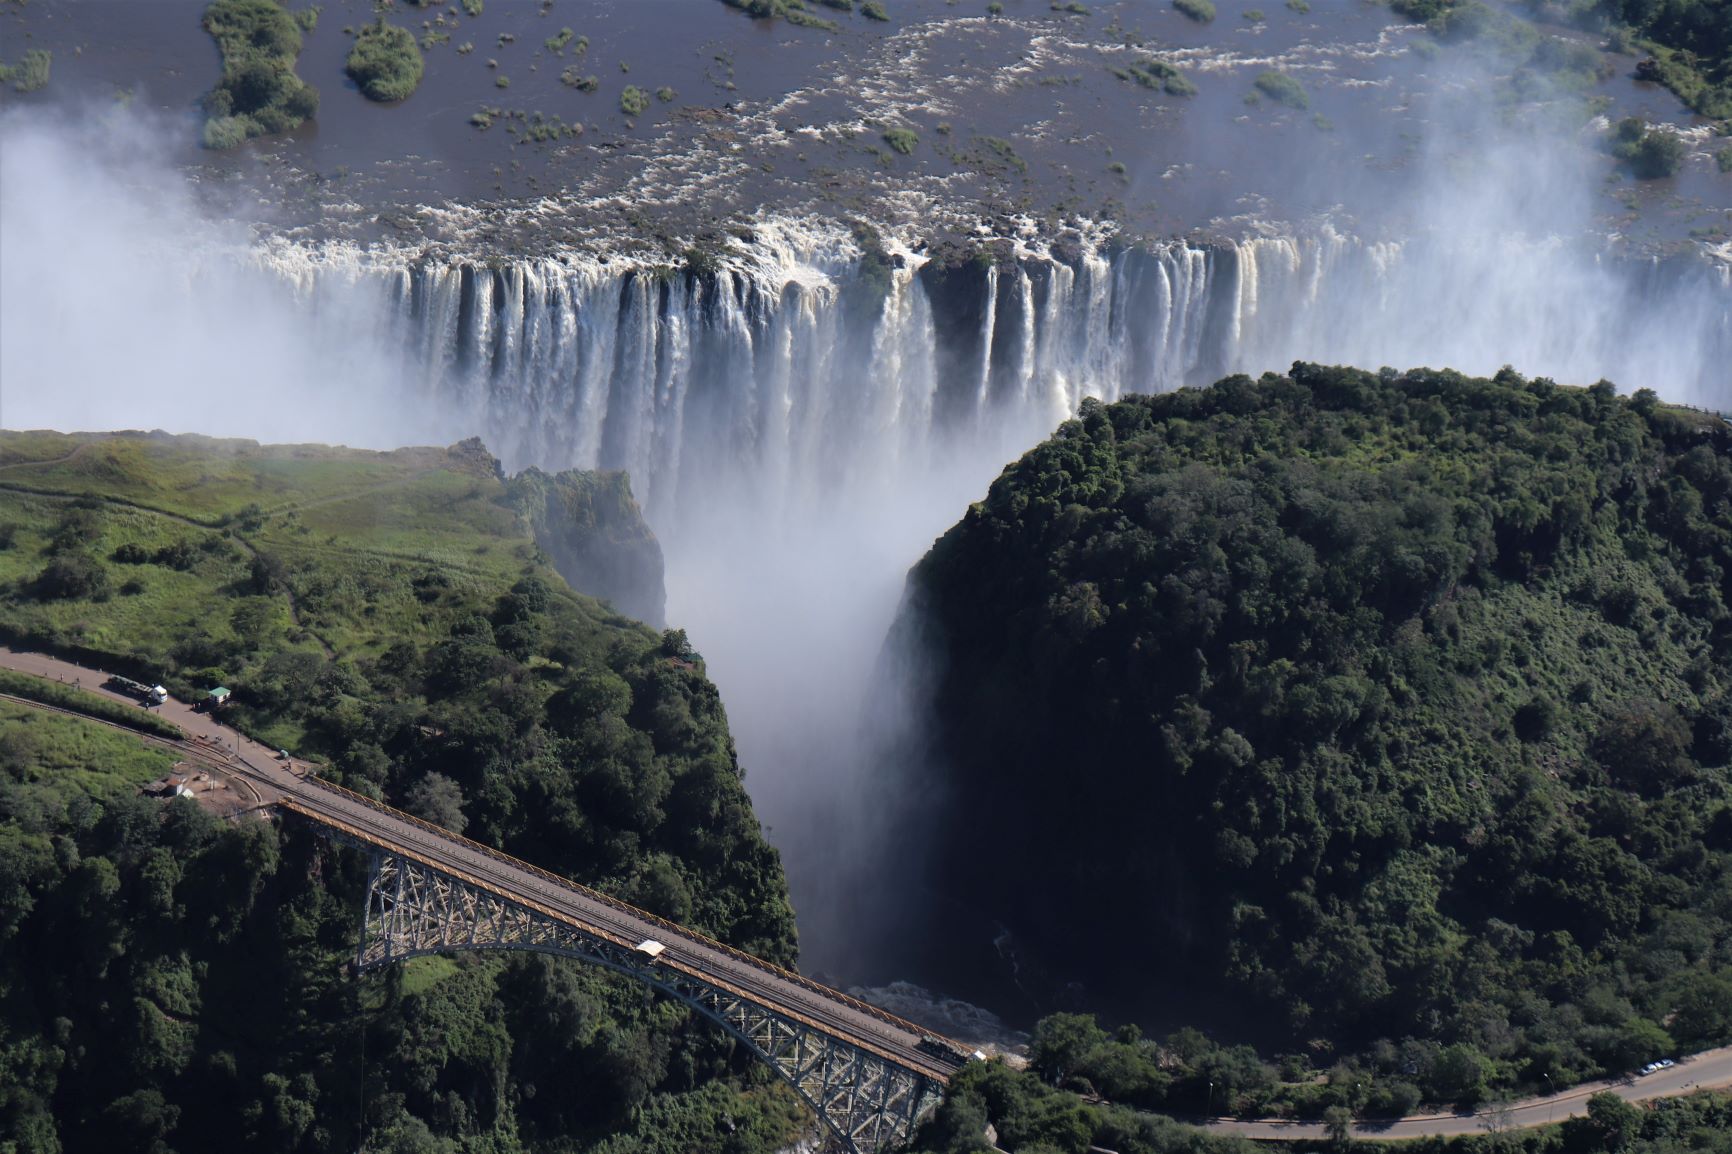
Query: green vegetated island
169	981
1396	707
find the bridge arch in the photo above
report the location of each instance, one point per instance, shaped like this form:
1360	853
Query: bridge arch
866	1098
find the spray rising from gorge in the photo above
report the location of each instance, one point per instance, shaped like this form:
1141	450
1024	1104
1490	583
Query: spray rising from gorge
801	411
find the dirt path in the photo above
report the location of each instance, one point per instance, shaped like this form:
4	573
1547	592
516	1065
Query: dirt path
60	460
1711	1069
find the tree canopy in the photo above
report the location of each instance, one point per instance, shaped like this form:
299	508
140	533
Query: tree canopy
1396	703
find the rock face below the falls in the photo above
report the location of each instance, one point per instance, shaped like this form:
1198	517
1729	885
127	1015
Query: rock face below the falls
595	534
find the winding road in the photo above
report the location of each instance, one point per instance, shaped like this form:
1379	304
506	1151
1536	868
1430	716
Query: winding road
291	785
1710	1069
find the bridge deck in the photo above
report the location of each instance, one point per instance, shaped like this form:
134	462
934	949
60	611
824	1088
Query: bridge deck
816	1005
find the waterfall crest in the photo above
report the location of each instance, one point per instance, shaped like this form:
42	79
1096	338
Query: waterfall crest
803	370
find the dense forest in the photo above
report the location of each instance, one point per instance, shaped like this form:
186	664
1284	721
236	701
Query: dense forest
1396	704
1030	1116
169	982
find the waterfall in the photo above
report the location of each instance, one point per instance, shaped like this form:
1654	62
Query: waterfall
787	376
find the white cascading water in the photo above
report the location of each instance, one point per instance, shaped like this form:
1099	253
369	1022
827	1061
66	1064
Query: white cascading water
799	432
758	377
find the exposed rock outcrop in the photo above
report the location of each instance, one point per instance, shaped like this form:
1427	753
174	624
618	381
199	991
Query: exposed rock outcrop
591	527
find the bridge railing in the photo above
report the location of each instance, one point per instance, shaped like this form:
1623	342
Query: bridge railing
660	923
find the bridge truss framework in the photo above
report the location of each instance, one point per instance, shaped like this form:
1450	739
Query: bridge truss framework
868	1102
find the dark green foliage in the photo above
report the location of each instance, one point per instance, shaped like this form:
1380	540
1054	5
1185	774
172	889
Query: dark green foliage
1201	11
171	981
1651	153
793	11
259	92
633	101
437	798
903	140
477	689
1395	703
30	74
1690	40
593	531
1151	72
385	61
1031	1115
1283	89
73	575
874	10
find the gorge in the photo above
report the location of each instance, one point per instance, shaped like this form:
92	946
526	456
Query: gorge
808	350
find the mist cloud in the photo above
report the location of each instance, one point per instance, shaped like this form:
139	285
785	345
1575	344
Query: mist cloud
125	304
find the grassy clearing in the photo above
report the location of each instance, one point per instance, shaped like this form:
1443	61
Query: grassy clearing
259	92
373	547
385	61
60	752
422	974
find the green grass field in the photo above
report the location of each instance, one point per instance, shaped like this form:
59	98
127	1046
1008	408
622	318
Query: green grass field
216	554
58	753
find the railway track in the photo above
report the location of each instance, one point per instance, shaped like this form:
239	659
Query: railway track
188	750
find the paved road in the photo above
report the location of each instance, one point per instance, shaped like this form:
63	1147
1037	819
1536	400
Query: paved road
1710	1069
290	785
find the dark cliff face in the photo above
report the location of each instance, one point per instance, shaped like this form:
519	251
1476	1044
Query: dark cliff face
594	532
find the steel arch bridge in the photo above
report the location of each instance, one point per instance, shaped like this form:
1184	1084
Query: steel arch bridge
868	1100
